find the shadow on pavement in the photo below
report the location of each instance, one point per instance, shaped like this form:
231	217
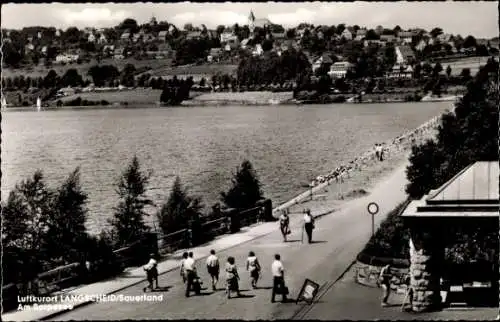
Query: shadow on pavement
264	288
201	294
292	241
318	241
162	289
242	296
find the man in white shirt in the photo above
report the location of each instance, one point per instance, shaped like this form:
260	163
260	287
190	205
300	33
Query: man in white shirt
190	272
151	272
278	272
213	268
308	224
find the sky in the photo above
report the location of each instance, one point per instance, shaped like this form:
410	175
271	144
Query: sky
479	19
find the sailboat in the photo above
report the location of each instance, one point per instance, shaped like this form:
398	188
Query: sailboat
4	103
38	104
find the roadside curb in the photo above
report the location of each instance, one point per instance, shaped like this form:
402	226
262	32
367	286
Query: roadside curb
79	305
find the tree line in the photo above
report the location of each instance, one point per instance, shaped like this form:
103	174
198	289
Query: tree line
45	227
468	135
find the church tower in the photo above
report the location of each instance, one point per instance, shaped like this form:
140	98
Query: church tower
251	21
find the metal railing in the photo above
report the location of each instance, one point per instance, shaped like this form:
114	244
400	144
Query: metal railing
53	280
214	228
250	216
171	242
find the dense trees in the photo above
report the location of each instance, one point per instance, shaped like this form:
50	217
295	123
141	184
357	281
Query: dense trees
273	68
470	134
128	221
245	190
43	227
103	74
174	91
179	209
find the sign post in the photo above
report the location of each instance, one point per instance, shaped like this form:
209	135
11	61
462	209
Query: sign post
373	210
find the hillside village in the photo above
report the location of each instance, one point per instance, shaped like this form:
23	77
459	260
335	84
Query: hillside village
162	50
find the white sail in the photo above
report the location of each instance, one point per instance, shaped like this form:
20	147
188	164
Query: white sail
38	104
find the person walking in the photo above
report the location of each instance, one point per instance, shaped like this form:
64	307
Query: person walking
385	283
190	271
278	272
284	224
213	268
183	271
232	277
253	266
151	272
308	224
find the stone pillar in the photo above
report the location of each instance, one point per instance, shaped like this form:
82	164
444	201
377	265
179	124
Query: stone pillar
426	254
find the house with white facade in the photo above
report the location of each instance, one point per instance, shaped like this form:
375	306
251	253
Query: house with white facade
91	37
258	51
387	38
67	58
404	54
125	36
324	59
162	35
421	45
215	55
346	34
226	35
405	37
102	39
340	69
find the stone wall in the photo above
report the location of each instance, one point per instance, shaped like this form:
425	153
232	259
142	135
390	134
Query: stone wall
426	254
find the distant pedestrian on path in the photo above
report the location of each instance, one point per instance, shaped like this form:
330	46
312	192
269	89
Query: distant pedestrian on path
379	151
151	272
213	268
278	272
284	224
253	266
308	224
190	271
385	283
232	277
183	271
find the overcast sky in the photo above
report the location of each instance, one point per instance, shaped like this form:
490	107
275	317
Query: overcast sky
479	19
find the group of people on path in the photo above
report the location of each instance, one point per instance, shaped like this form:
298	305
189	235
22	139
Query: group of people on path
189	274
308	224
191	278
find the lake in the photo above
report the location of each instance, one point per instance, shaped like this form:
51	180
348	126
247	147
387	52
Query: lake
288	145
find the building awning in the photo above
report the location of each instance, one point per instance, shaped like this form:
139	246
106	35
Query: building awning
473	192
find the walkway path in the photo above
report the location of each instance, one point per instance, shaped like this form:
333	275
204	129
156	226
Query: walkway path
339	237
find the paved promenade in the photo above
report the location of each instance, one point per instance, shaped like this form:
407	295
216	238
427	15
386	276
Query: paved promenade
338	238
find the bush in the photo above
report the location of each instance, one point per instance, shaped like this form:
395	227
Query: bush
392	238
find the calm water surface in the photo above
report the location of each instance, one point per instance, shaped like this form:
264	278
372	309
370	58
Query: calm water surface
288	145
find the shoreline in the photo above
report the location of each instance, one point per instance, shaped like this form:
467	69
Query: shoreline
215	103
362	173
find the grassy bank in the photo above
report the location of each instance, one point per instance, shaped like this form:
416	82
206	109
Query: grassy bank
254	98
83	68
131	97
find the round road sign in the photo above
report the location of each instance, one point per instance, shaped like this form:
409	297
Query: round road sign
372	208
